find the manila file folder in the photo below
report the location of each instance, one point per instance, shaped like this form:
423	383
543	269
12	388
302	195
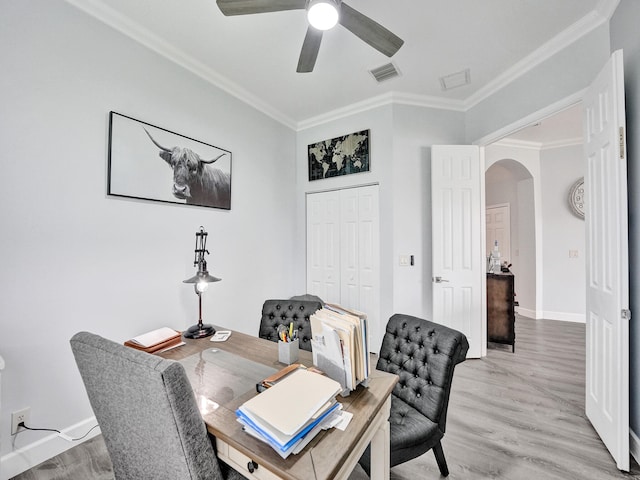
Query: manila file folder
292	402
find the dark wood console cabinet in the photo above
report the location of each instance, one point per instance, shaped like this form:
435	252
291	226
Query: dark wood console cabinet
501	317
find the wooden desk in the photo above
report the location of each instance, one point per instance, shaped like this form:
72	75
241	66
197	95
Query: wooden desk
332	454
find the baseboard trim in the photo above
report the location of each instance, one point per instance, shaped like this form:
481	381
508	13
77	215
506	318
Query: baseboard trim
525	312
565	317
24	458
634	445
546	315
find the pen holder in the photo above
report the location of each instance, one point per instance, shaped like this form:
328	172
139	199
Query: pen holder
288	351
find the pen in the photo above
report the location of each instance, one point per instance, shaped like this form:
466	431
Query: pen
291	330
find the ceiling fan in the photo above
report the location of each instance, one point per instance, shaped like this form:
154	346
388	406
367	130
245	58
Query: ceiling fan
360	25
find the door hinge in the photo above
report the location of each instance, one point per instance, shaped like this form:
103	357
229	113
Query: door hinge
626	314
621	142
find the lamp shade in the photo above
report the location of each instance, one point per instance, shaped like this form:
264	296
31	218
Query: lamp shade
322	14
202	277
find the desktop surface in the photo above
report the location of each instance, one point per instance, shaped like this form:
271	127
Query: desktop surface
223	376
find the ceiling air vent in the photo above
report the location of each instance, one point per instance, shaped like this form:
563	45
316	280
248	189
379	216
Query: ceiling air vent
455	80
385	72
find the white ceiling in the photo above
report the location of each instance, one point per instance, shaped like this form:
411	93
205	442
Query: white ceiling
254	57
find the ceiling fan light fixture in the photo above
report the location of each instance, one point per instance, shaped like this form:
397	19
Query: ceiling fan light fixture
322	14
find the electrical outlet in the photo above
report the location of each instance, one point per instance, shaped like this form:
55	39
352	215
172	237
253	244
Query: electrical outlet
21	416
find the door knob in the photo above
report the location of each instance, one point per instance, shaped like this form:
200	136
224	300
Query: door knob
439	280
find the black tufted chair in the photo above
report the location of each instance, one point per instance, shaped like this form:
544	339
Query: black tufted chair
423	354
283	312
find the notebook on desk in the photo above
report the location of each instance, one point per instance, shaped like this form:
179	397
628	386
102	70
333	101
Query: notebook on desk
156	340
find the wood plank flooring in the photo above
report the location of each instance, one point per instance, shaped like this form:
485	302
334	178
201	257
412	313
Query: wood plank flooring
511	416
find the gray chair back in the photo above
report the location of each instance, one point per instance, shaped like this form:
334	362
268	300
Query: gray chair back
147	412
283	312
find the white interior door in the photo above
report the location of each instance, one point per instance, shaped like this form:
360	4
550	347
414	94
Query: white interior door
457	210
498	228
323	246
349	249
360	252
607	335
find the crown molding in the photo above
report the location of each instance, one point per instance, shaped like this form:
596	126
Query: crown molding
428	101
539	146
391	98
531	119
565	142
363	106
99	10
514	143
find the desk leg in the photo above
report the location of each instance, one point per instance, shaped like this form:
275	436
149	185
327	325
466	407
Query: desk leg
380	452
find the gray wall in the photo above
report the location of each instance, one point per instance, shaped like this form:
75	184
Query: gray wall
73	258
624	34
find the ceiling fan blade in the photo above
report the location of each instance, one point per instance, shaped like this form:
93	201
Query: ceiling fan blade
247	7
369	31
310	49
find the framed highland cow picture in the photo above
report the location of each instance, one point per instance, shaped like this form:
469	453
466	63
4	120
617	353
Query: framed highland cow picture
151	163
339	156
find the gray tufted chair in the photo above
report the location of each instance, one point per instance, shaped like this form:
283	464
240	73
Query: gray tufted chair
283	312
423	354
147	413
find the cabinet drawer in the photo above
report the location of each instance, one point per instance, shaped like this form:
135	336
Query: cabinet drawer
240	462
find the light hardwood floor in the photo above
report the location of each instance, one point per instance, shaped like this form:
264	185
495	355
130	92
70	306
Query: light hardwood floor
511	416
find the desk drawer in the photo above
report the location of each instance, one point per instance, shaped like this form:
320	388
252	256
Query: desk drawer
240	462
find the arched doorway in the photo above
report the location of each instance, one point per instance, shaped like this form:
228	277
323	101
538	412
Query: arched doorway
509	182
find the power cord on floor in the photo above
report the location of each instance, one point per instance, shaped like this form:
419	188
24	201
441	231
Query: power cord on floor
60	434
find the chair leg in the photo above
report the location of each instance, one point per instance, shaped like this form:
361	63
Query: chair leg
442	463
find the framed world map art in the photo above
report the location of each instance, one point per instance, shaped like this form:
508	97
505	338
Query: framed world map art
339	156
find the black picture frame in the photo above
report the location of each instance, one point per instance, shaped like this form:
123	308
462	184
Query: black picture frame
342	155
148	162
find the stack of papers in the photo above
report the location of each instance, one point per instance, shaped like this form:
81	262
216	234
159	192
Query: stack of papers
340	345
289	414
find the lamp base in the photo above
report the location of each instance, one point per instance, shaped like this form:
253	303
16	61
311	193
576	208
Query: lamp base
199	330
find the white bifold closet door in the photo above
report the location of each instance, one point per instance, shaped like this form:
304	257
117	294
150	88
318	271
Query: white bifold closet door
343	253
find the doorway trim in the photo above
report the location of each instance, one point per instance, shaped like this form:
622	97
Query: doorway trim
530	119
510	129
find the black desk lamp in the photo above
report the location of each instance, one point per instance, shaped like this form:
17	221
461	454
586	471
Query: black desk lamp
201	281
